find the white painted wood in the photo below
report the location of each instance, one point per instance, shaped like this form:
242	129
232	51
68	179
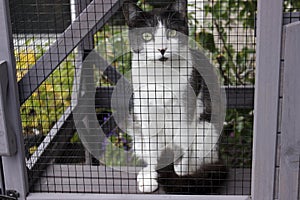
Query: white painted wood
290	134
7	138
266	97
80	196
2	187
14	167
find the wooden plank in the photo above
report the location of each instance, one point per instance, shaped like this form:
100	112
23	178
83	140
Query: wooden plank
290	137
8	146
101	179
15	176
81	196
2	186
239	97
268	51
91	19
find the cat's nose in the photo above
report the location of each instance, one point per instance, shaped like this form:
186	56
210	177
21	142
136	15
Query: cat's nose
162	51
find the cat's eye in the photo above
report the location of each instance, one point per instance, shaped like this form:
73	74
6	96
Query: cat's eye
172	33
147	36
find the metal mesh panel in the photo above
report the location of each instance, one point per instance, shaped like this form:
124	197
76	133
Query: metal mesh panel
51	76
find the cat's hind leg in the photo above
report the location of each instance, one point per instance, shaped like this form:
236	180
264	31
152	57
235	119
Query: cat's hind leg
203	150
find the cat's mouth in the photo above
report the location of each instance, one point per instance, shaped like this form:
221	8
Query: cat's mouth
163	59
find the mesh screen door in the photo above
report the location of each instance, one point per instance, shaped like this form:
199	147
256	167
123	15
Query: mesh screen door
136	97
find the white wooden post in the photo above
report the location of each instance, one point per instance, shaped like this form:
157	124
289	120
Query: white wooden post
290	128
15	176
268	51
7	137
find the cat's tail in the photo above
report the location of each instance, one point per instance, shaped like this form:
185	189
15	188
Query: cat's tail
209	179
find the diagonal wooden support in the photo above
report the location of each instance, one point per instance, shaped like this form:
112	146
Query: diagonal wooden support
91	19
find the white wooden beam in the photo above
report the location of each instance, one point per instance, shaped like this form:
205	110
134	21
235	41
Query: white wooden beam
290	128
15	175
81	196
268	51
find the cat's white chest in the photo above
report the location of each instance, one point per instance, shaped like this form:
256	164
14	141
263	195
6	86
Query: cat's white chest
157	92
159	80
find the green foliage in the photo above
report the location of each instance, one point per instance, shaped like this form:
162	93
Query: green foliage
206	40
144	5
236	141
48	103
235	61
118	157
291	5
113	44
118	150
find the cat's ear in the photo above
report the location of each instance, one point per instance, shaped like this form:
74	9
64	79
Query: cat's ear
179	6
130	11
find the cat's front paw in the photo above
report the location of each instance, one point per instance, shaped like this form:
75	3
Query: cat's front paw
147	182
181	170
183	167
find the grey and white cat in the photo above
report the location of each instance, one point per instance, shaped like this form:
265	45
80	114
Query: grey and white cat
163	75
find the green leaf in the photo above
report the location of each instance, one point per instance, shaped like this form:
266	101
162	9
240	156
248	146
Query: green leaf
206	40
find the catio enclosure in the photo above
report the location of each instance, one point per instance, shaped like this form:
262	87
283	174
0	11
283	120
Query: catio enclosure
45	46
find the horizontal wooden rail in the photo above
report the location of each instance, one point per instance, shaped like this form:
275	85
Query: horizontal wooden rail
239	97
80	196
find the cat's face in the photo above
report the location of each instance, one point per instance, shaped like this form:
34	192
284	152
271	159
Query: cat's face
157	35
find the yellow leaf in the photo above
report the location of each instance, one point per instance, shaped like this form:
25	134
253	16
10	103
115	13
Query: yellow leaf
32	149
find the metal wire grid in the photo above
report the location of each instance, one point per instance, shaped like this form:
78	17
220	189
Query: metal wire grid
70	168
291	11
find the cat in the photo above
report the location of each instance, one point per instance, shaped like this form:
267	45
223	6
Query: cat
171	101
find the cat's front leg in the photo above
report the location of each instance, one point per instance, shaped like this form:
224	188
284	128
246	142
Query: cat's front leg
146	149
201	150
147	180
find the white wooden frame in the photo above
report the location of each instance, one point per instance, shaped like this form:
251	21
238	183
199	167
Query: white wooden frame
290	137
13	166
268	51
59	196
269	34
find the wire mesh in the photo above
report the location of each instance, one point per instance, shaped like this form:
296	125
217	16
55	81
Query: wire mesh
291	11
55	153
